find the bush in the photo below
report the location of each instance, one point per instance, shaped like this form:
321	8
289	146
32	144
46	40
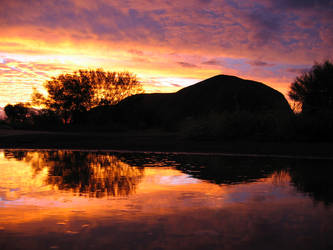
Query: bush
46	119
315	127
18	115
237	125
313	90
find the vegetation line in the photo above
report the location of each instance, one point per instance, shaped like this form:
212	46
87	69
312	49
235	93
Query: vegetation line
223	108
282	156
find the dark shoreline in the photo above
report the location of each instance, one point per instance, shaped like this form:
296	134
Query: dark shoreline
160	142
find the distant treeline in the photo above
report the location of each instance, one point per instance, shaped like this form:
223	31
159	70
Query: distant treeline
94	101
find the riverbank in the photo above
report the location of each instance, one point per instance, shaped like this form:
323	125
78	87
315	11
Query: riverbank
155	141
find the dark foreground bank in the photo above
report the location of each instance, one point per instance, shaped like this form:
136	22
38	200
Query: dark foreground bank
157	141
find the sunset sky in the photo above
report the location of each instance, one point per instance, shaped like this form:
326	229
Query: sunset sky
168	44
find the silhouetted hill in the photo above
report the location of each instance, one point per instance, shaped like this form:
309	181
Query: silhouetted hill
215	95
230	93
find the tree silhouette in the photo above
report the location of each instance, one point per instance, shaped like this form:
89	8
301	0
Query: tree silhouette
69	95
16	113
313	90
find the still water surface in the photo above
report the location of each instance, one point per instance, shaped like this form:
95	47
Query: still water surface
103	200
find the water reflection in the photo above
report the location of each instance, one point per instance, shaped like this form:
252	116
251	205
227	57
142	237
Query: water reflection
118	174
98	200
312	177
92	174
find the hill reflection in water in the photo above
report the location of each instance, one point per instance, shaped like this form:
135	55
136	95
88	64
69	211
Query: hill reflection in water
99	174
311	177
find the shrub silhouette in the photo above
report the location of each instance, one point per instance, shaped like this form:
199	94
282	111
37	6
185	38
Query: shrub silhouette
18	115
17	112
46	119
313	94
236	125
313	90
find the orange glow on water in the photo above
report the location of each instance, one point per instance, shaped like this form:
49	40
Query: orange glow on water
31	193
87	198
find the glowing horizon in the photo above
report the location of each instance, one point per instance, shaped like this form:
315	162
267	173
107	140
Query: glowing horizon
167	45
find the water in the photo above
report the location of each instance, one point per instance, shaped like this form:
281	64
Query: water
96	200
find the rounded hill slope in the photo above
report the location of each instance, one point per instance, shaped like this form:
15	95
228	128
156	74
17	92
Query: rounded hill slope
217	95
229	93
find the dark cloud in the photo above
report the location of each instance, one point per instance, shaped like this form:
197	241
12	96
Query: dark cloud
303	4
298	70
176	85
263	26
136	52
105	21
260	63
187	65
326	34
205	1
211	62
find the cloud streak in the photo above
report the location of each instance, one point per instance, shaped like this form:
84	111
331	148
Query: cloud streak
187	65
18	78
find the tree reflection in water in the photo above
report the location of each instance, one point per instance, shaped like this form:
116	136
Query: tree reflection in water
314	179
84	173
